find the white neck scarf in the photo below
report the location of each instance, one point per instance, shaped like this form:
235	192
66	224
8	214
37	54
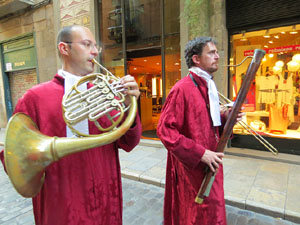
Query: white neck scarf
212	95
70	80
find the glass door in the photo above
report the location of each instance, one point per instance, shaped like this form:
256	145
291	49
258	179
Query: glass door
143	51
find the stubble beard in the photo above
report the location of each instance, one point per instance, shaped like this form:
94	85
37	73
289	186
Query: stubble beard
213	69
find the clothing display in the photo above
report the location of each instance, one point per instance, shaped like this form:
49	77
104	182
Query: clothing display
266	87
186	130
278	119
276	92
82	188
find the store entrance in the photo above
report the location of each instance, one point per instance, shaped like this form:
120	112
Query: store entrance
272	105
146	68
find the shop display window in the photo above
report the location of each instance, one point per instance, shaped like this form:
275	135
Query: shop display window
272	104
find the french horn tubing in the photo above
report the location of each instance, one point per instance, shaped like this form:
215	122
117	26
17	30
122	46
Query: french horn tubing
28	155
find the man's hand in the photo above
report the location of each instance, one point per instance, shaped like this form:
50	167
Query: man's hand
212	159
132	88
226	111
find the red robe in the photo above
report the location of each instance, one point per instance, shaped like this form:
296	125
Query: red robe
85	187
186	130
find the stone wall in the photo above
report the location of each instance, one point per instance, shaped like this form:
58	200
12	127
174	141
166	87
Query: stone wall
212	22
38	21
217	29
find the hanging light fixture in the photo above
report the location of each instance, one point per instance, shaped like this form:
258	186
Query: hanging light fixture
296	58
294	31
267	35
279	63
277	70
293	66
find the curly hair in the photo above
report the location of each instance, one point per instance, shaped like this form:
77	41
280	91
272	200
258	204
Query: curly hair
195	47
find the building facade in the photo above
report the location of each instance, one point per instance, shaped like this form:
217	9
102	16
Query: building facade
146	38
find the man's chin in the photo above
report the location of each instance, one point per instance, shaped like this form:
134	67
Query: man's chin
91	69
212	70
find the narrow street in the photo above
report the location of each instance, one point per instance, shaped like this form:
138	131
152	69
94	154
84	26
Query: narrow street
143	205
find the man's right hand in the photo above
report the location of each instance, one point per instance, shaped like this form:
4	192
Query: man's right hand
212	159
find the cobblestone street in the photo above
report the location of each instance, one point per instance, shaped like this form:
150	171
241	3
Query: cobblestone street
143	204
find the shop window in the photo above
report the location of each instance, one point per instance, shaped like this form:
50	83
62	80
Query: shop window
272	105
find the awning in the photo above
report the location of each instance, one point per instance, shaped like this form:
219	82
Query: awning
8	7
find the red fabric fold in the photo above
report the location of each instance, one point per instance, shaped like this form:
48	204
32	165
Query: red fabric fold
82	188
186	130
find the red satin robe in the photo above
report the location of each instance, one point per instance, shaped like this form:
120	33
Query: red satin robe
185	128
85	187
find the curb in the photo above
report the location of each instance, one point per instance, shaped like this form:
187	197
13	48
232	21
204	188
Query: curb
239	203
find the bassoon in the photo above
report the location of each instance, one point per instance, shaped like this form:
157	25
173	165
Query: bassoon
236	108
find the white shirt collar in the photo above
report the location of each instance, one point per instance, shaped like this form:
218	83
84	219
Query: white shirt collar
70	80
212	95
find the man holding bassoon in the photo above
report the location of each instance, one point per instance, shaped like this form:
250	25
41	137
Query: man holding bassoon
190	126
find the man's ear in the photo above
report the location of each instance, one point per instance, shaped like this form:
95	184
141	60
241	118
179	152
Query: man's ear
196	60
63	48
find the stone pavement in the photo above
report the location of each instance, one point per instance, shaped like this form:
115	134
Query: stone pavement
254	180
142	205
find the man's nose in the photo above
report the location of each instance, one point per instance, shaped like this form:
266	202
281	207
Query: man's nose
95	51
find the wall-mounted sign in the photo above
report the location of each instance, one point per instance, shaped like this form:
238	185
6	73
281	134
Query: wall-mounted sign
283	49
19	54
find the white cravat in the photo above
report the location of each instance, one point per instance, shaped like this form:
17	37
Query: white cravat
212	95
70	80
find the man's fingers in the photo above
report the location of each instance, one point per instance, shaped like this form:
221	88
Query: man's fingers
215	164
135	93
211	168
220	154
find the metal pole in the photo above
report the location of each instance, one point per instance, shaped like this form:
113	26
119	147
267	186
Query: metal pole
124	36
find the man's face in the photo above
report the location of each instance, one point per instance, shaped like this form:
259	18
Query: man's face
208	61
82	52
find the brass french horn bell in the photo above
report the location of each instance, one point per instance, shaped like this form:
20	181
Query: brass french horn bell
28	152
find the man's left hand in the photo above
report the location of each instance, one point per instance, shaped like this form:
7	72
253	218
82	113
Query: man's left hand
226	111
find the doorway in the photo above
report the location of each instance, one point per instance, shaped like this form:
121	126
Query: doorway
147	71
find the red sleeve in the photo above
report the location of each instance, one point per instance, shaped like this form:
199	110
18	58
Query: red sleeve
132	137
2	159
170	130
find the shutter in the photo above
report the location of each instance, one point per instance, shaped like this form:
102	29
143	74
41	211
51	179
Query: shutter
254	14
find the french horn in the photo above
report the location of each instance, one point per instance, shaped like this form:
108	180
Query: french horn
28	153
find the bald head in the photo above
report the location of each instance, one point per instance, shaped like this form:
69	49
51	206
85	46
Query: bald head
66	34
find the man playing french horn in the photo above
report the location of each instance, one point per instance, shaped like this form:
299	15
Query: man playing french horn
85	187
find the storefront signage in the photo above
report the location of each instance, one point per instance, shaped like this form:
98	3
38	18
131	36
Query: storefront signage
289	48
19	54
